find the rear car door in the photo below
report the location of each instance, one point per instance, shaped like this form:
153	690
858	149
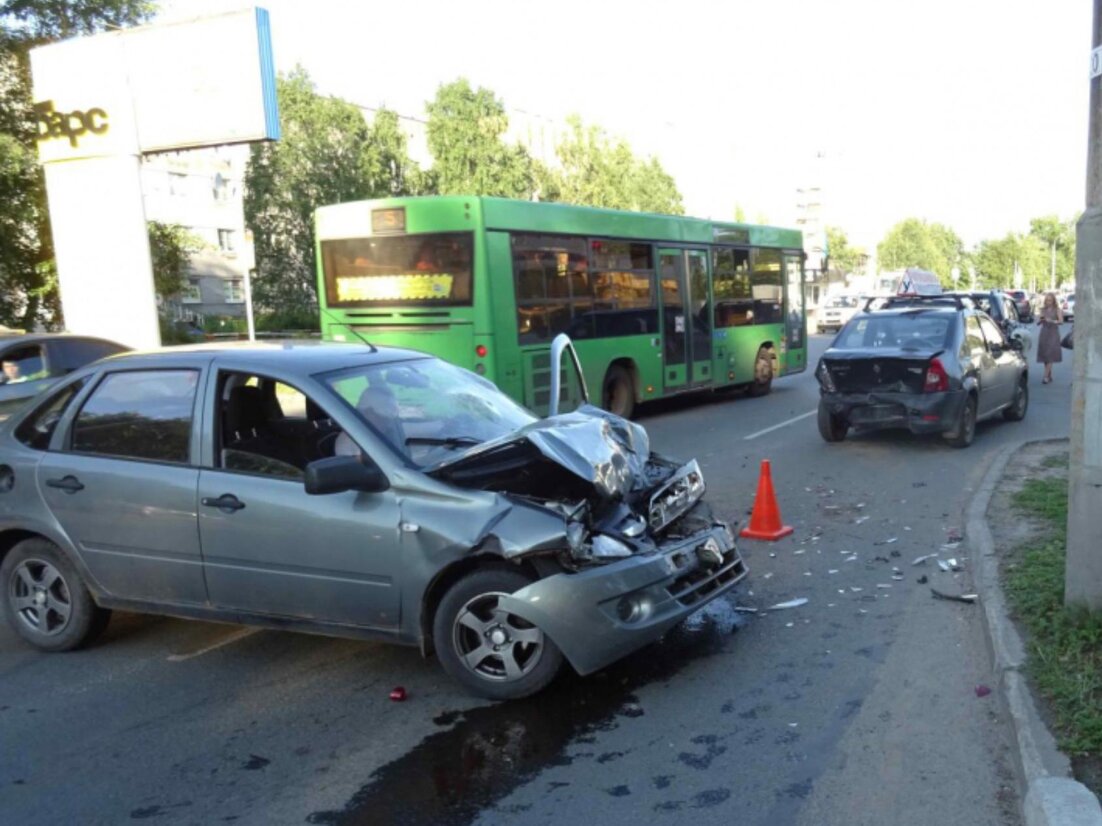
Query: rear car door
269	547
982	365
120	479
1005	362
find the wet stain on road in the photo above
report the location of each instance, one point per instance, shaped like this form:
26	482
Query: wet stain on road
451	776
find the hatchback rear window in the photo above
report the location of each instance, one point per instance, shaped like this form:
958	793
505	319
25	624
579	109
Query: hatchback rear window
903	331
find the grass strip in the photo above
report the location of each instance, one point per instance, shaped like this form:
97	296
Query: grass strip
1065	645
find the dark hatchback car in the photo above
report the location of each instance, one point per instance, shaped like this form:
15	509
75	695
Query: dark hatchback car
31	363
351	491
1025	307
928	368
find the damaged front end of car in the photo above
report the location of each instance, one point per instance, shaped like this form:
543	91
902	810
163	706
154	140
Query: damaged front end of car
635	548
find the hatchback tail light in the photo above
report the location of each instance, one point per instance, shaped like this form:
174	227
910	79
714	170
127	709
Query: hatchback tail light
937	380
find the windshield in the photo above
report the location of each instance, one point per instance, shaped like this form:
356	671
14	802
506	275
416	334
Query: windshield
428	409
432	269
917	330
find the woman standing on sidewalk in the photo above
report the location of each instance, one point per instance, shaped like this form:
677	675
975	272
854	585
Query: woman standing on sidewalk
1048	342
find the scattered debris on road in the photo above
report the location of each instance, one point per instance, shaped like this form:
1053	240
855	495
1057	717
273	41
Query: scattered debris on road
922	580
921	560
398	695
965	598
982	690
792	603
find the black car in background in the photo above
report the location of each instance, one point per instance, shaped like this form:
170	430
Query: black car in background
1025	308
1003	310
929	367
31	363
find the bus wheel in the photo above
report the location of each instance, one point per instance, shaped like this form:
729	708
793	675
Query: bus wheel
618	392
763	373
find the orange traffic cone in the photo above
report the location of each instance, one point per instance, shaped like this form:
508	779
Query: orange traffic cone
765	521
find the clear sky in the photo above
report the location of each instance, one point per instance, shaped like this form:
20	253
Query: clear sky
968	112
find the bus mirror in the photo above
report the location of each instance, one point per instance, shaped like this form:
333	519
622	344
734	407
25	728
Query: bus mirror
563	344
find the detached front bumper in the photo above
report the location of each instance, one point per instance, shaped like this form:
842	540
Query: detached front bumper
601	614
917	412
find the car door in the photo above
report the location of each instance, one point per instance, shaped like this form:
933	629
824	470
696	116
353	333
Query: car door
1005	363
120	479
269	547
25	373
983	366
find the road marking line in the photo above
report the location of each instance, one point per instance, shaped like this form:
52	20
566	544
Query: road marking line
239	634
779	426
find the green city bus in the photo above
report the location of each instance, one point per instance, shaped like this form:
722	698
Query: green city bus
655	304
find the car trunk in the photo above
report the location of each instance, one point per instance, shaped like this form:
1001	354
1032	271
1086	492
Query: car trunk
890	371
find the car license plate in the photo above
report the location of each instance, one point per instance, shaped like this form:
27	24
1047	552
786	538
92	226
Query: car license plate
877	412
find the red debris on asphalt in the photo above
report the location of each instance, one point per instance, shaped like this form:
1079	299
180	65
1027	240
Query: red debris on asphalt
398	695
982	691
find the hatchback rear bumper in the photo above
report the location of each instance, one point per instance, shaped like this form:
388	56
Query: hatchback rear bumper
916	412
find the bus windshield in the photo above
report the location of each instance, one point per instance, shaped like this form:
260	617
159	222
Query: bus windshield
433	268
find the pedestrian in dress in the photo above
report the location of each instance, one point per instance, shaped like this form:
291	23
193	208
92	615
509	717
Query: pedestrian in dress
1048	342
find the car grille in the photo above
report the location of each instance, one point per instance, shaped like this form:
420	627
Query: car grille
694	587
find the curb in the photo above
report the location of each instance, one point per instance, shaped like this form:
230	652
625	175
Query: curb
1051	798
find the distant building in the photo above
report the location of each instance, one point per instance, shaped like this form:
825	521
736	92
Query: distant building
201	190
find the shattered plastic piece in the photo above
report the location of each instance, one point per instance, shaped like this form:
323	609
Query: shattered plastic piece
801	551
767	575
807	573
744	609
860	519
790	625
772	555
883	585
890	541
965	598
851	558
792	603
922	580
945	566
855	589
832	571
919	560
897	577
955	535
982	690
398	695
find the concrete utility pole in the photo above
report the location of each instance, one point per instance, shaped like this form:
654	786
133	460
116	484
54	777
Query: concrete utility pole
1083	578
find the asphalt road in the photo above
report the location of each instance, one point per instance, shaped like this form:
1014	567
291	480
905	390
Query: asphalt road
858	707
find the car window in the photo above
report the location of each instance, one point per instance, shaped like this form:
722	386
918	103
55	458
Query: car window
140	414
269	428
992	332
37	429
973	337
21	364
77	352
907	331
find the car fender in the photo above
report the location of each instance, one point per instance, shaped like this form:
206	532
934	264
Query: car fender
51	531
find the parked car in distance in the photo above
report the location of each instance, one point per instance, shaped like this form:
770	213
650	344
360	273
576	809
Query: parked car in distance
927	369
1025	307
31	363
1067	307
352	491
835	312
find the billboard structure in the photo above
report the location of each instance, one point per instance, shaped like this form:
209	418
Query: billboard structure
102	102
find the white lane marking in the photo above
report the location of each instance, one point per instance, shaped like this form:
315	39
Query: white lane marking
779	426
239	634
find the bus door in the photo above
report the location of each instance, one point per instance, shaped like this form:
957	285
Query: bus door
795	321
686	318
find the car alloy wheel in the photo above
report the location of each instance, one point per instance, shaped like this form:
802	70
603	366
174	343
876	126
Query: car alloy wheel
494	644
40	597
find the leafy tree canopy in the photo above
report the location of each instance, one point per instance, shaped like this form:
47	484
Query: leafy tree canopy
917	243
842	256
328	154
171	247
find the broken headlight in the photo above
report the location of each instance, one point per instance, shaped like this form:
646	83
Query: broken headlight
605	547
674	498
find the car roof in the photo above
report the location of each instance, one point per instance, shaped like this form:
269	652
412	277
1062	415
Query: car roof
938	309
303	357
33	338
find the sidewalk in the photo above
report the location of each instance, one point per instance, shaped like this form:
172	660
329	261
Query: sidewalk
1051	797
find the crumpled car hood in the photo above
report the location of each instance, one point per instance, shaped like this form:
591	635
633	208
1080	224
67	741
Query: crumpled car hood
608	452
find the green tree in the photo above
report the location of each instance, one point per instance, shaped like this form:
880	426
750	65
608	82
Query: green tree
843	257
171	247
28	282
1059	239
466	129
996	260
916	243
328	154
596	171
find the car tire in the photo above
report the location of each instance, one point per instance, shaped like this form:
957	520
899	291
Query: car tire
1017	410
832	428
763	373
965	431
464	621
618	392
45	599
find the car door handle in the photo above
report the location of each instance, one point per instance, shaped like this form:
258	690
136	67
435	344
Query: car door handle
226	502
69	484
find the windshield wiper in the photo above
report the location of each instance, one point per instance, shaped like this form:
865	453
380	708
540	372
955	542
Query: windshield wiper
449	441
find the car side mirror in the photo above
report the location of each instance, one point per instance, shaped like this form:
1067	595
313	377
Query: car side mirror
340	473
996	349
1015	344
